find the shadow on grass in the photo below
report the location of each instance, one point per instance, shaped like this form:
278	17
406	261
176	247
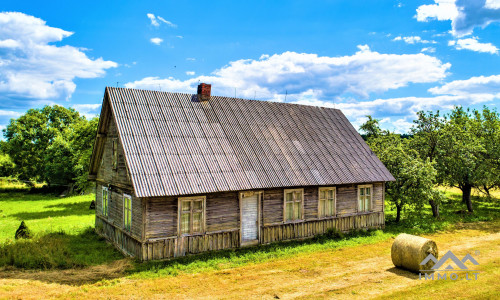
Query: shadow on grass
403	273
66	209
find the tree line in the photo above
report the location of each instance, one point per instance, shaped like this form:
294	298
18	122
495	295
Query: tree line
52	144
460	149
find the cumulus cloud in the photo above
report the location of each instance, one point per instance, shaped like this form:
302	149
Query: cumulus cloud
155	21
156	40
474	45
190	73
465	15
293	73
34	68
428	49
413	40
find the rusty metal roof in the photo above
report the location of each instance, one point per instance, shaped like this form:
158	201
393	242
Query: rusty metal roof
176	146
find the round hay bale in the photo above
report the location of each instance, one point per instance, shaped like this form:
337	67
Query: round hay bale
408	251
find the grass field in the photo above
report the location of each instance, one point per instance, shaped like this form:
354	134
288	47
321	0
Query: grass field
68	258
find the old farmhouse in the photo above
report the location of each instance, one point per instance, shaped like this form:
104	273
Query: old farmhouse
178	174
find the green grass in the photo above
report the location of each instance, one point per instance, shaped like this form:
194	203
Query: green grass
44	213
64	236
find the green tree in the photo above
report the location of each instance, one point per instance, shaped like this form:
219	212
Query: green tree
52	144
7	166
414	184
460	159
371	127
426	137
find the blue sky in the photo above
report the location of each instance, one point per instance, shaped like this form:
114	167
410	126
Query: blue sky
388	59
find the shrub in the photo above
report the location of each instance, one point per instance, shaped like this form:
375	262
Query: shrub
23	232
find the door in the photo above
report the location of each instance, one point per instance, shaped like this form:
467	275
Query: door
250	218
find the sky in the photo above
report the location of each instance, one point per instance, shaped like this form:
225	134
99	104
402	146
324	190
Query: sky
387	59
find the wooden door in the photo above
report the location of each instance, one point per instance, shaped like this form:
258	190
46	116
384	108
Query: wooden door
250	218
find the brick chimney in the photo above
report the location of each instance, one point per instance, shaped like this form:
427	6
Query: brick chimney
204	91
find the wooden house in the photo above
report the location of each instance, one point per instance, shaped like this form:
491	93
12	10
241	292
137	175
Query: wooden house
178	174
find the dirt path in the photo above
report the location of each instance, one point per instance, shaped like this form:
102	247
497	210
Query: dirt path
360	272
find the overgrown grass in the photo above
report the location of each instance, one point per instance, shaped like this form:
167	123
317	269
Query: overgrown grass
58	250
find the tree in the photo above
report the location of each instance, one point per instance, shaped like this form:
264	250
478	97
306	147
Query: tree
415	177
52	144
427	132
459	161
371	127
7	166
490	136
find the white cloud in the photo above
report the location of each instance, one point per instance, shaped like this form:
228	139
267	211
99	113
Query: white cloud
293	73
191	59
190	73
88	110
473	45
154	21
487	86
428	49
156	40
464	15
179	36
34	68
413	40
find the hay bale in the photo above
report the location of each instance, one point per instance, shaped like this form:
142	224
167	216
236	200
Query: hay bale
408	251
23	232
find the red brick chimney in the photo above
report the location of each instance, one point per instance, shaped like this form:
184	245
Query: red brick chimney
204	91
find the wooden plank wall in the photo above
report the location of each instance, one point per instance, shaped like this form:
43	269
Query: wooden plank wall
106	173
282	232
174	246
222	211
347	199
161	217
115	210
124	242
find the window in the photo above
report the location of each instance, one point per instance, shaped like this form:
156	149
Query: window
364	197
191	215
127	212
114	157
105	195
327	196
293	204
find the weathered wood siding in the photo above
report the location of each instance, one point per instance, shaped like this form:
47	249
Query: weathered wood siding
121	239
161	217
272	206
115	210
106	173
222	211
290	231
347	199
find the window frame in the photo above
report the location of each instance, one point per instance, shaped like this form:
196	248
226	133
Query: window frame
125	210
327	188
114	154
203	215
105	207
301	218
359	197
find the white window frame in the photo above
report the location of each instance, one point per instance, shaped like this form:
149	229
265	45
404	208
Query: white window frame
301	205
203	215
329	188
364	186
125	196
105	204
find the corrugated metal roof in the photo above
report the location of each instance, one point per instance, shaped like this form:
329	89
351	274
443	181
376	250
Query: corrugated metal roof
176	146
